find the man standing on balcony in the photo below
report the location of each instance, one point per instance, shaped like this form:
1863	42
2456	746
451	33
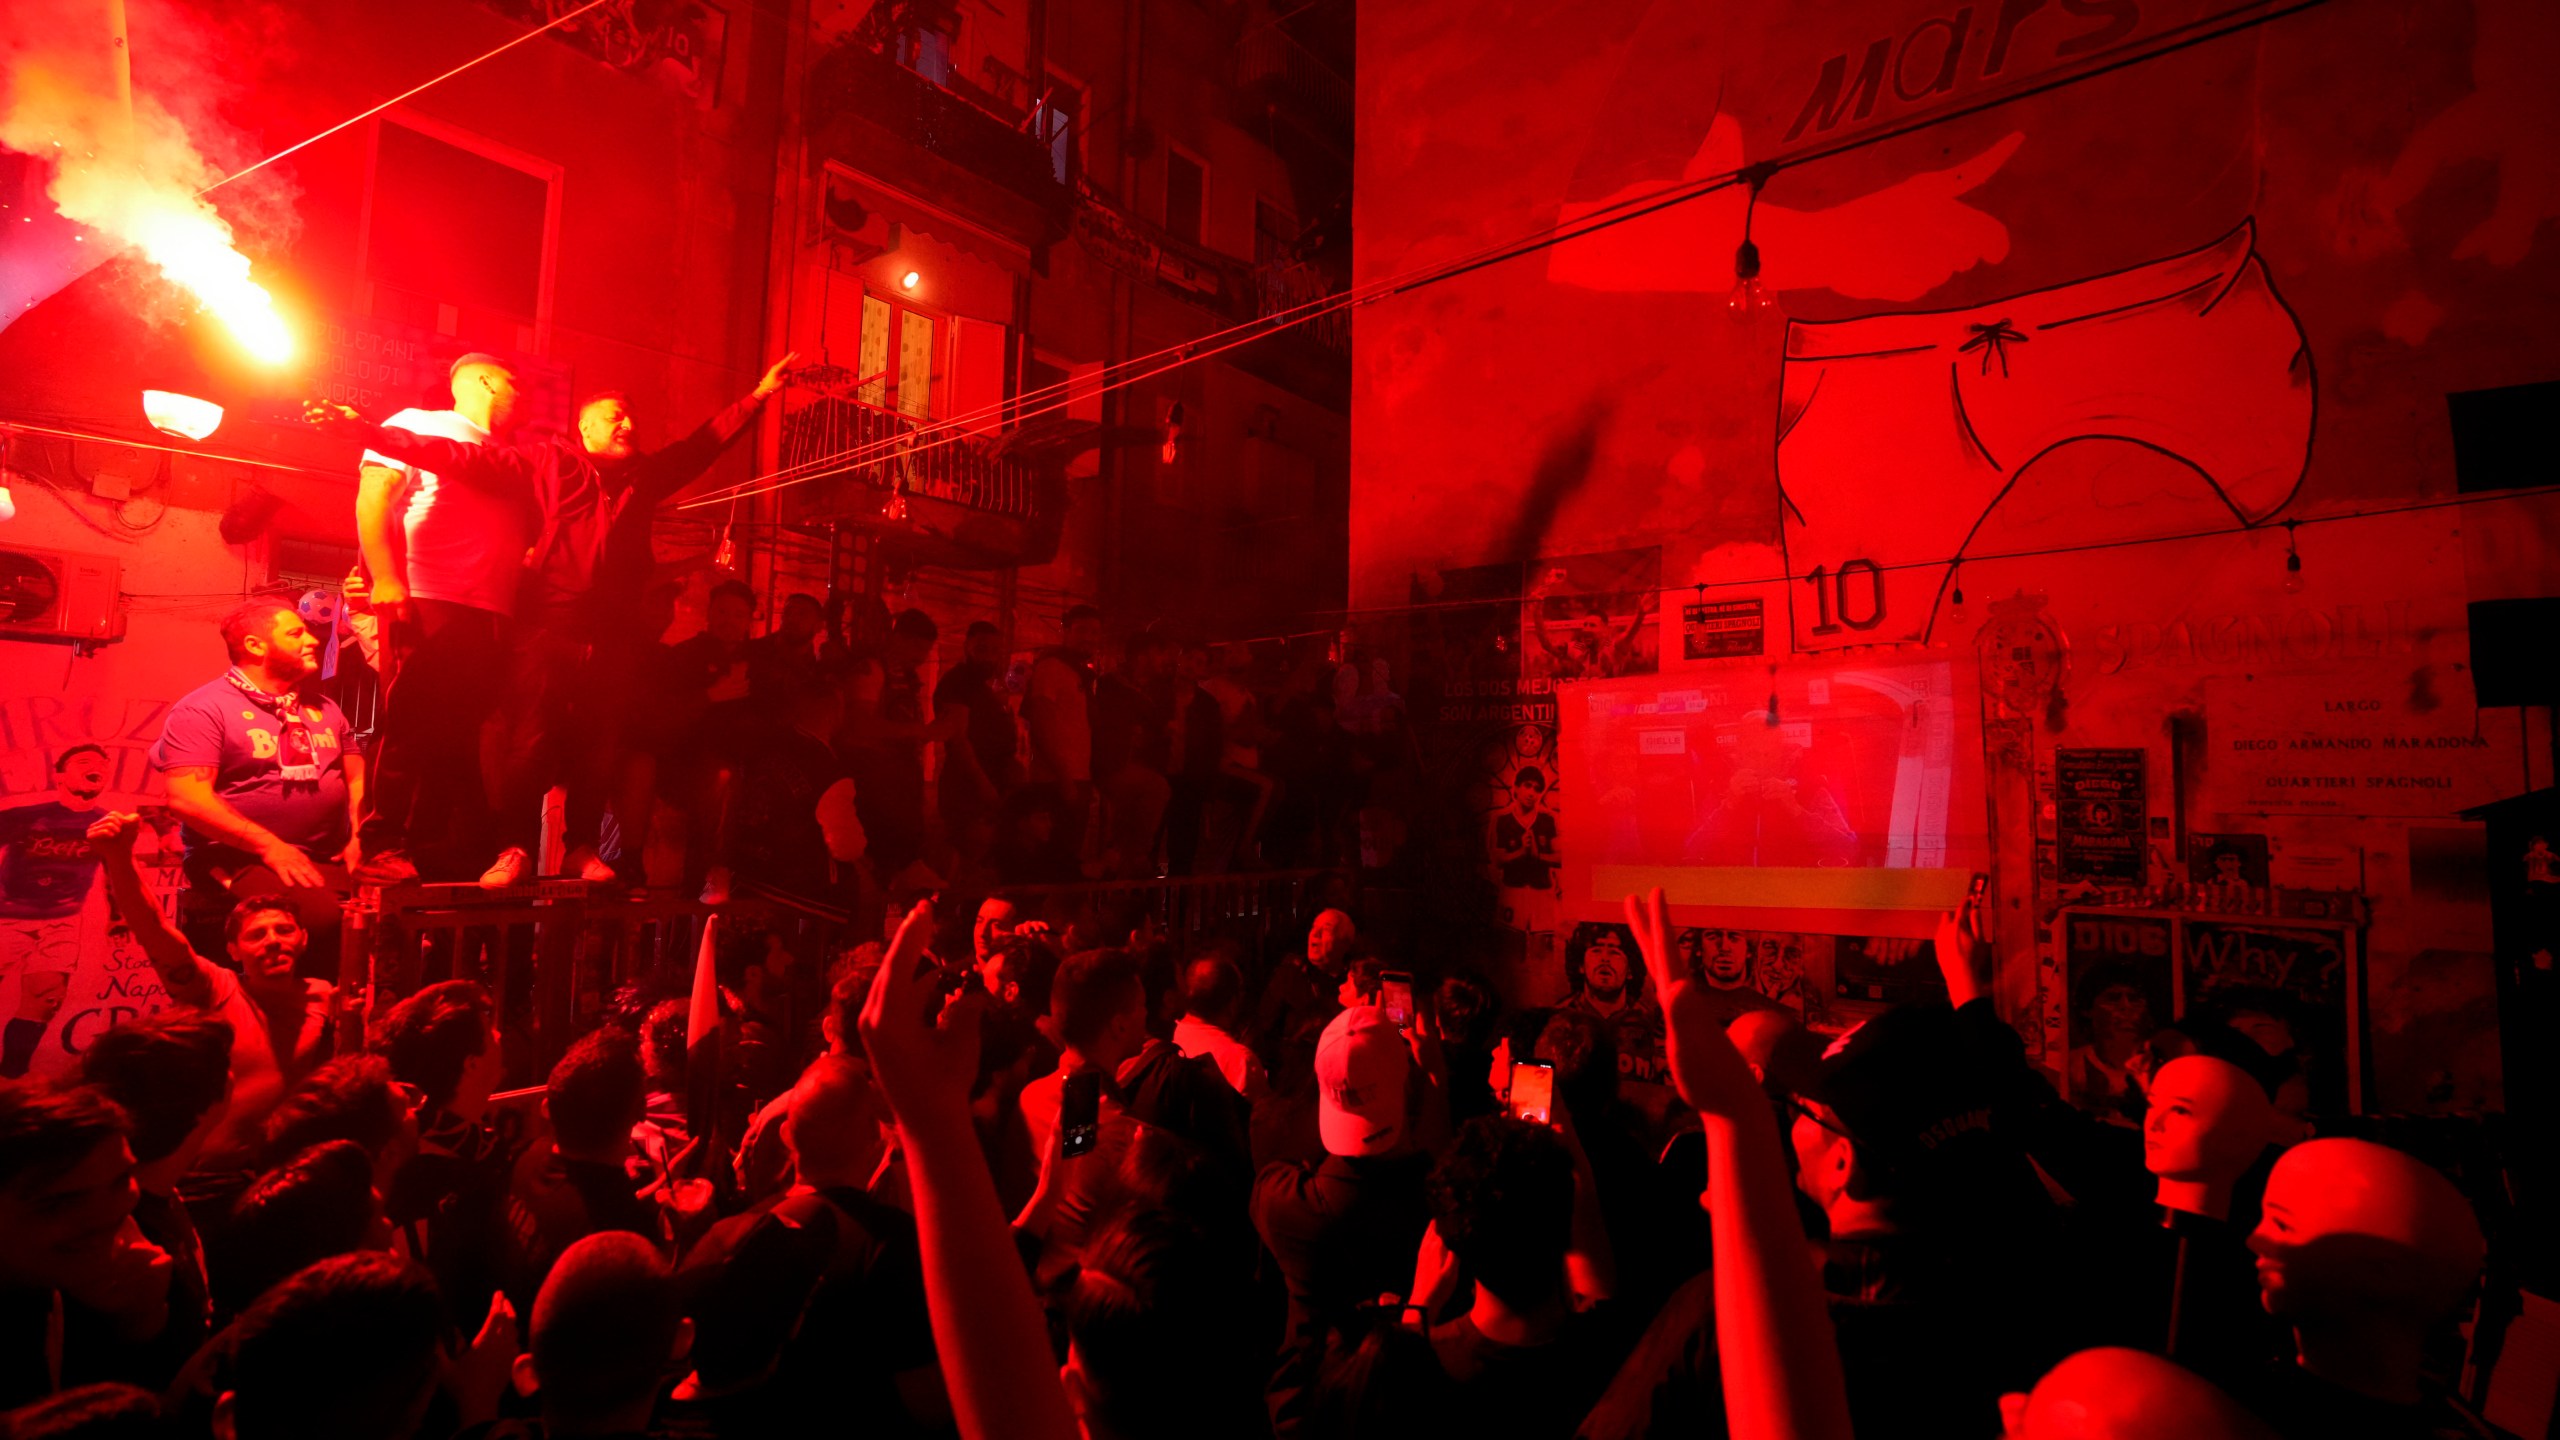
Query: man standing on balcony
444	558
571	651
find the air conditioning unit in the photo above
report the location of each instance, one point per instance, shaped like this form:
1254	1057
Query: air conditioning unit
51	595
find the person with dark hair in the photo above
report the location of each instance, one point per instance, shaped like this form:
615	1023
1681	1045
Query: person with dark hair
1098	1016
1380	1382
354	1347
1522	838
865	1344
608	1332
747	1290
882	739
1150	1354
1212	1001
259	769
281	1024
1466	1012
571	650
68	1245
796	822
46	870
2114	1015
318	1204
581	1183
351	1098
1607	984
1132	740
783	660
980	767
107	1411
1520	1357
1057	715
171	1074
763	1161
449	1201
707	685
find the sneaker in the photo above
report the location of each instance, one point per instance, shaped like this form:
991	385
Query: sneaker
504	871
715	886
388	868
587	865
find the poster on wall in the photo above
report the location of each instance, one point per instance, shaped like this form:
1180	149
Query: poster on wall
381	366
1722	629
2099	809
67	969
679	45
2291	988
1491	644
1592	617
2120	991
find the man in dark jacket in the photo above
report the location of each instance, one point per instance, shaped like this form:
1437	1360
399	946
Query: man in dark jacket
570	652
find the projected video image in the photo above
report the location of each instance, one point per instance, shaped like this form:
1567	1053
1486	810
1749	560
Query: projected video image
1847	768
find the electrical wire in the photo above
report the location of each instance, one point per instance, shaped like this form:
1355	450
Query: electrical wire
2446	502
2173	41
254	166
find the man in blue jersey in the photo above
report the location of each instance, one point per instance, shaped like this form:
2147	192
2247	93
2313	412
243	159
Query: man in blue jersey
45	873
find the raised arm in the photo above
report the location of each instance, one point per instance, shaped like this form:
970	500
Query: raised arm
986	1322
664	471
1774	1349
490	466
111	840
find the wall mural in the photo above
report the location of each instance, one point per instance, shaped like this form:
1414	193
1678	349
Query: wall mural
1898	433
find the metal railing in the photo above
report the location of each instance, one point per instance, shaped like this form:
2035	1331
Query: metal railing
962	471
1253	907
1274	65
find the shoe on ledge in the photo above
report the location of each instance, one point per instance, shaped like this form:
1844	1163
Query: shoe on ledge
388	868
504	871
587	865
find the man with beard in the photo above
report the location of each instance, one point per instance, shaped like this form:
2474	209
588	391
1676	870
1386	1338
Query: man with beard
280	1023
45	870
1606	985
1722	958
260	774
573	648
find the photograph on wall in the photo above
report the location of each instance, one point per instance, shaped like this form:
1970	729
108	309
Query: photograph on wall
2119	993
1604	978
2228	865
1723	629
1592	617
2290	989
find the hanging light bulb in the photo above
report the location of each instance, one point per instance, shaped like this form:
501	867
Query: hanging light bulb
2292	561
1750	298
725	555
1773	697
1955	594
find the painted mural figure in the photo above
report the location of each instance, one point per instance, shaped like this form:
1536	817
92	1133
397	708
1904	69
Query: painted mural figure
1607	983
1522	839
2108	1066
2195	357
46	872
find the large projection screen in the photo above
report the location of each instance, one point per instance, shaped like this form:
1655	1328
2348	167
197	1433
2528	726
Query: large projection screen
1832	798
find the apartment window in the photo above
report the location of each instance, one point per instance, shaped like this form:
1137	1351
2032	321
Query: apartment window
1186	184
900	350
453	226
1061	124
1274	232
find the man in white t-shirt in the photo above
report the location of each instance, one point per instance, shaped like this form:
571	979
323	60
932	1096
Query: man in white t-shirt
446	559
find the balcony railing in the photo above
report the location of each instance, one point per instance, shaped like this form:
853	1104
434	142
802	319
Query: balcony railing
882	448
855	79
1281	289
1274	69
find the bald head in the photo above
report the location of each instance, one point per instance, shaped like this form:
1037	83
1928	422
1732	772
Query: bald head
484	392
2208	1120
831	1124
2125	1395
2354	1229
1329	941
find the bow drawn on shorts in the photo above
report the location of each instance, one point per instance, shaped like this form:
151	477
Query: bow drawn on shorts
1992	339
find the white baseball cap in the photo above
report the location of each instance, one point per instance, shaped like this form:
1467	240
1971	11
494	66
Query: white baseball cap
1363	1072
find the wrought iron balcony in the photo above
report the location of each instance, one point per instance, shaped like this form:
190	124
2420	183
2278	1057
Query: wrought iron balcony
860	98
1277	75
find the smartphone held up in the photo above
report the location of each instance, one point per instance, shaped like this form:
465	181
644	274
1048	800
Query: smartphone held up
1533	1092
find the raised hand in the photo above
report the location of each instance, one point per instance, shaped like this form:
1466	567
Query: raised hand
111	835
922	1067
1964	954
773	375
1709	1073
329	414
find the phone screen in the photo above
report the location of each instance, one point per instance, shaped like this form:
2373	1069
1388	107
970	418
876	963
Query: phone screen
1079	1113
1533	1090
1395	996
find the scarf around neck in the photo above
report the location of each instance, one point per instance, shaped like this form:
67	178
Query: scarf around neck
295	759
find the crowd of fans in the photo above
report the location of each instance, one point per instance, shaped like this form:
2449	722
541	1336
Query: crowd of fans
1034	1172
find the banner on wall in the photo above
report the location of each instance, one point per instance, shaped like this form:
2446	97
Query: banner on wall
679	45
2380	741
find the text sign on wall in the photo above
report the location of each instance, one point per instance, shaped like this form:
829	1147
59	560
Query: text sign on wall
1722	629
2377	743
